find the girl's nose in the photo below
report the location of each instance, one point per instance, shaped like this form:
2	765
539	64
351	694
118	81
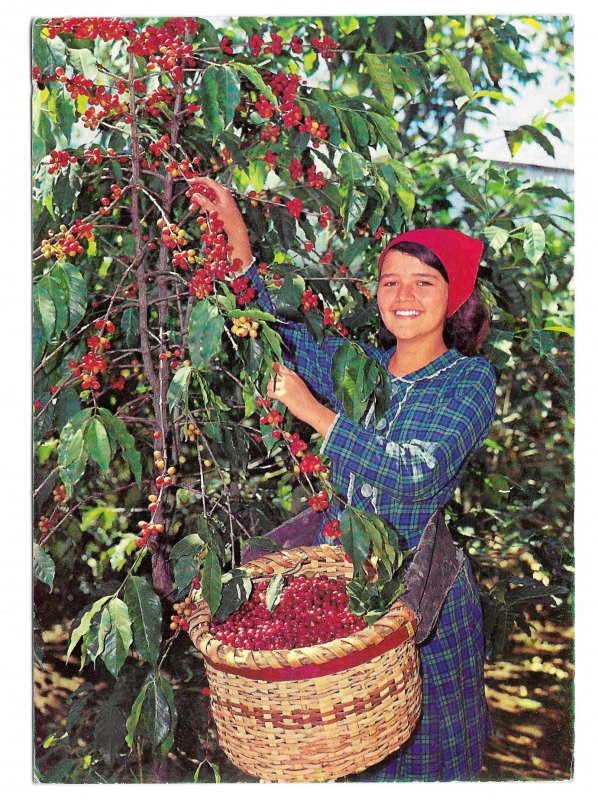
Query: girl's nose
404	291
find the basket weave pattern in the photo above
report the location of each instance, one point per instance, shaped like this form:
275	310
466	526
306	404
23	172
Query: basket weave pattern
313	728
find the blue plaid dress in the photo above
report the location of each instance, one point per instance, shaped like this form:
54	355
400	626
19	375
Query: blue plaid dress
403	468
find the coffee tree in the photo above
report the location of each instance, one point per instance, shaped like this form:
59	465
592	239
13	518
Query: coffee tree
157	454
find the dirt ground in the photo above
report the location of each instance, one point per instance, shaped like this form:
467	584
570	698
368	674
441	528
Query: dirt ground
531	702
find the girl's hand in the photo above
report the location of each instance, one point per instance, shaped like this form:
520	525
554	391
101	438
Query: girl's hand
293	392
228	211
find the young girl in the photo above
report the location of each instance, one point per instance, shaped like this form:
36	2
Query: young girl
408	464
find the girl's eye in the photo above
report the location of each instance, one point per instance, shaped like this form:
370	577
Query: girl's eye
425	283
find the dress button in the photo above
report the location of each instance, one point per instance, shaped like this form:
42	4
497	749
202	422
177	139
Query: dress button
366	490
381	424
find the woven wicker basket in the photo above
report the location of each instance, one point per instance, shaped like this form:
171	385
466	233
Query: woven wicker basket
313	713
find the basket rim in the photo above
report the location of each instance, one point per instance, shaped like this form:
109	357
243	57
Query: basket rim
216	652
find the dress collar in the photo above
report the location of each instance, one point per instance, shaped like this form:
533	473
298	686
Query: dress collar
447	359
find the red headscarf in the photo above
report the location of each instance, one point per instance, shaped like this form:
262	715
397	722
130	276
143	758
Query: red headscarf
460	255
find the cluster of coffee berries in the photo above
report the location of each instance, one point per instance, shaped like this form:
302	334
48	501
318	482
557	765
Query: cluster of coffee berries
315	179
148	531
296	443
273	417
44	525
182	258
60	159
243	291
324	217
309	300
319	502
294	207
176	355
192	432
270	133
317	130
326	46
311	465
310	611
245	326
68	241
167	474
59	494
271	160
331	319
182	611
93	363
332	529
172	235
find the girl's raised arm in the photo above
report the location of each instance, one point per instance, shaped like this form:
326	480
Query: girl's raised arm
312	361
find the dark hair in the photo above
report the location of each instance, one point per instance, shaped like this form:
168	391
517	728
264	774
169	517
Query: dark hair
466	329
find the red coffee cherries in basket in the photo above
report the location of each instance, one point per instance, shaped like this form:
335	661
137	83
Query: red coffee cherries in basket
309	611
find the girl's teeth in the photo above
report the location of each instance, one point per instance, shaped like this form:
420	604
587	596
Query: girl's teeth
406	313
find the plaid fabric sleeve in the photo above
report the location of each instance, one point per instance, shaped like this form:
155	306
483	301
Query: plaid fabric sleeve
312	361
418	469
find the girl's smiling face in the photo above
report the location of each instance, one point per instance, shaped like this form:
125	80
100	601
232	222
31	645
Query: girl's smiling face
412	298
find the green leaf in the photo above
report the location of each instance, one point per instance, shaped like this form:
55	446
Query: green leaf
72	456
256	357
468	191
349	364
459	74
155	717
354	537
44	568
534	241
388	131
274	591
352	167
497	237
560	329
98	444
130	326
185	569
109	732
133	718
385	31
60	303
179	386
84	61
145	612
211	581
85	623
262	544
254	76
234	593
206	326
254	313
189	545
210	107
357	126
228	92
285	226
118	638
381	78
168	693
119	434
352	205
257	173
42	297
77	294
272	339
